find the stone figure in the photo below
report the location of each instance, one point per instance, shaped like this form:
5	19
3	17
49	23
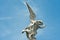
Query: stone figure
34	25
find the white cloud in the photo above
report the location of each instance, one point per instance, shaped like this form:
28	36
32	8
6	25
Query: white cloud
5	18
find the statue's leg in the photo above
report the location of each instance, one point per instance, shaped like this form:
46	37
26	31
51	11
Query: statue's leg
29	37
32	37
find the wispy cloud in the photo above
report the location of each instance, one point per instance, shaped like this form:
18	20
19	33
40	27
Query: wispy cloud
5	18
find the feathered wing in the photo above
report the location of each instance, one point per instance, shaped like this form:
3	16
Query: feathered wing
32	14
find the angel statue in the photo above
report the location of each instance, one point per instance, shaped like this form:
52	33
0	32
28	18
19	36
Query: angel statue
34	25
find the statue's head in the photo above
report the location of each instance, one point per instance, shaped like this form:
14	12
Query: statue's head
39	23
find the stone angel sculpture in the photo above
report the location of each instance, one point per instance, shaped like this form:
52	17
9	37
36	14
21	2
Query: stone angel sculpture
34	25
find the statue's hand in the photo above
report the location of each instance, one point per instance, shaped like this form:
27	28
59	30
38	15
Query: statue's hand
22	32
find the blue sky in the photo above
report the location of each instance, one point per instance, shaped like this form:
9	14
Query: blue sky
14	17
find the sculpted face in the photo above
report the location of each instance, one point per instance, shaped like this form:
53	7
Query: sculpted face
38	22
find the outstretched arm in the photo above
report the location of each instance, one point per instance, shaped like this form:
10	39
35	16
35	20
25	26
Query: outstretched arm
25	30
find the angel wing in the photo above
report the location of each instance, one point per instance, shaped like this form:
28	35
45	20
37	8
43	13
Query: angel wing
32	14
